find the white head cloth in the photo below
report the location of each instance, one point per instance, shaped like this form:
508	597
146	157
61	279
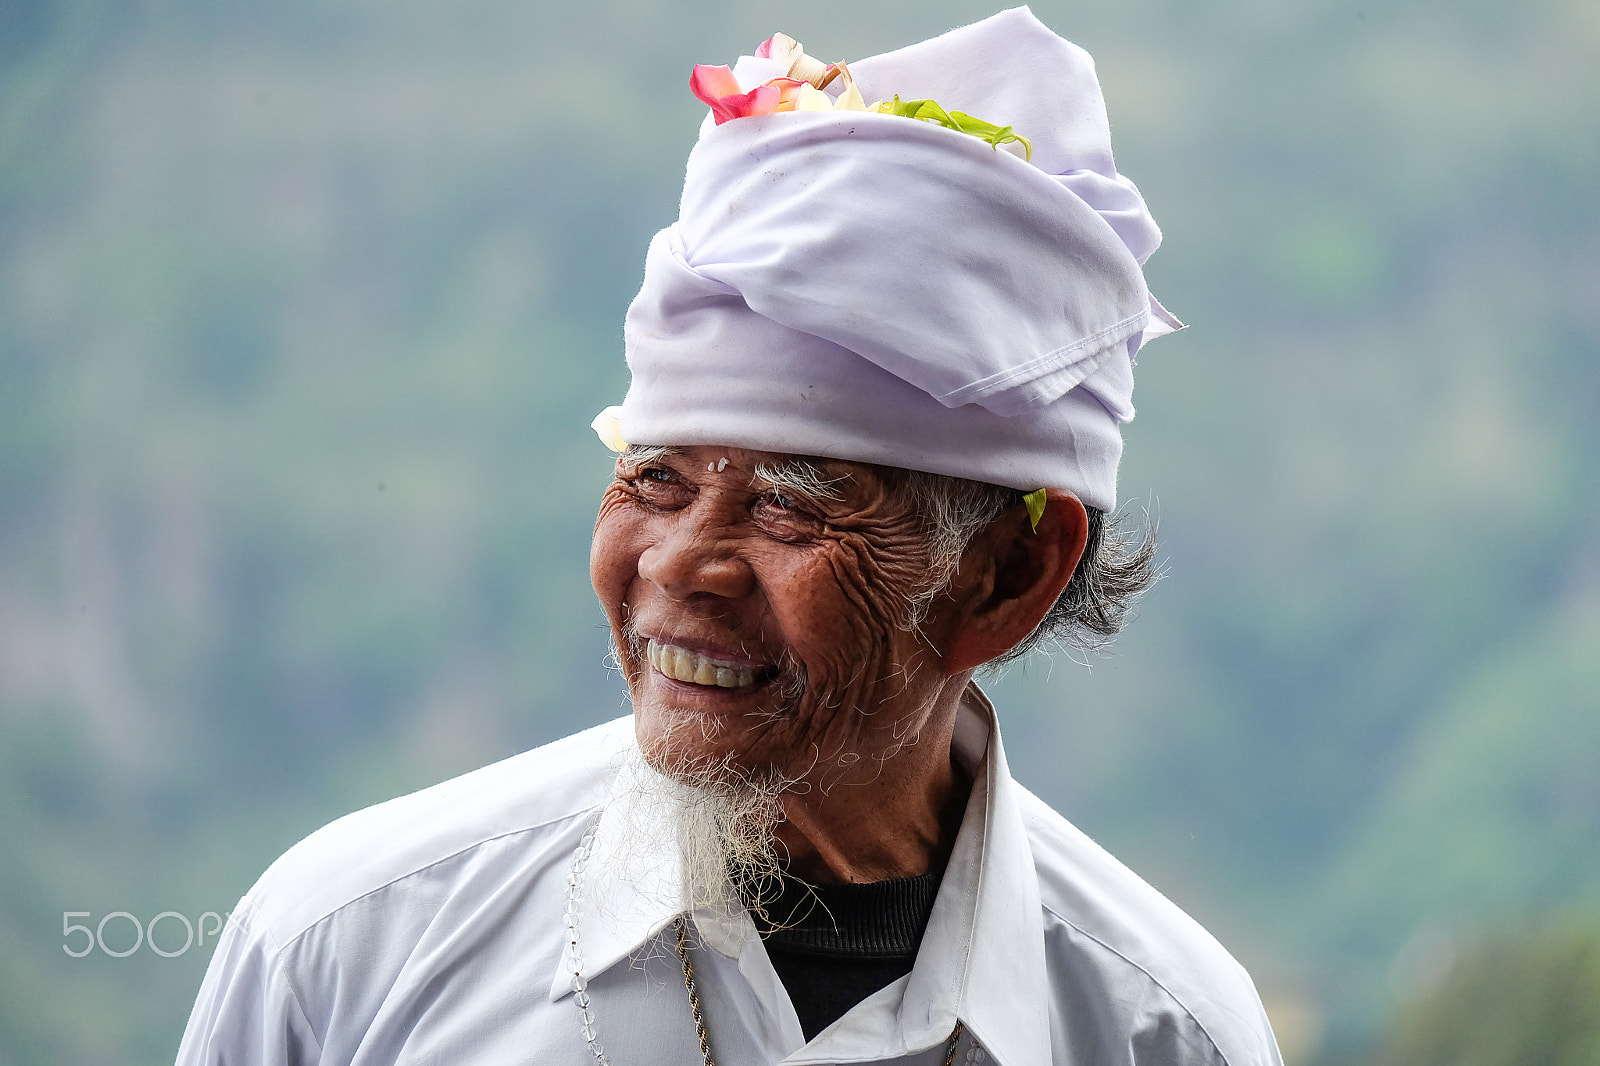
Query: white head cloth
876	288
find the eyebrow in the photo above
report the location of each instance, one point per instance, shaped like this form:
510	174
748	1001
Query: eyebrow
801	475
804	477
643	454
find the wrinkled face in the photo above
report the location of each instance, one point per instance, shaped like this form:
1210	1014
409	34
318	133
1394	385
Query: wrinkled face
761	624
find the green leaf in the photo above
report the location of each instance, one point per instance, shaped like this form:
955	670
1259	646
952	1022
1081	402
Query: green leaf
960	121
1034	502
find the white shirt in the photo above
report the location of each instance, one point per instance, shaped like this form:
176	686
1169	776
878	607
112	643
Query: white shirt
430	929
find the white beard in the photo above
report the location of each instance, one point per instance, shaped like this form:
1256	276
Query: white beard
724	824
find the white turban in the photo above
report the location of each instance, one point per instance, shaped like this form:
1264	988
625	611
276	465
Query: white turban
871	287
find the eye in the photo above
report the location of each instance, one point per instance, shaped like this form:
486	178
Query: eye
785	516
659	475
775	502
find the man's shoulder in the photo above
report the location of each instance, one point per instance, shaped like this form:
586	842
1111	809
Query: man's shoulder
1112	920
373	848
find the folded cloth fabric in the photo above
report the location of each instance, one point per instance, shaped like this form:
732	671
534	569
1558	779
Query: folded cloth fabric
871	287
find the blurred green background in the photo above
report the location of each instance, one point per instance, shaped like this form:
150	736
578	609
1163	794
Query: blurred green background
305	308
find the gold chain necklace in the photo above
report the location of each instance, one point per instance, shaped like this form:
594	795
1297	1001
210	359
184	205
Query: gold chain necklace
694	993
580	984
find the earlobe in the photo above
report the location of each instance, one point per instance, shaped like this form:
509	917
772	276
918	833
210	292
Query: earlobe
1025	572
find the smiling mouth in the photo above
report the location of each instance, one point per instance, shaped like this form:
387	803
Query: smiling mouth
691	667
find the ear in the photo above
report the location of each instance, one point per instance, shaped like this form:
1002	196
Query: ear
1014	574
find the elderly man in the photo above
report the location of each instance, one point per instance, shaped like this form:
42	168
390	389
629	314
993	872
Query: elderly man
879	365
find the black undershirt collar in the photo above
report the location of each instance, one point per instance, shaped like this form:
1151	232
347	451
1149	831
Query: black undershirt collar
834	945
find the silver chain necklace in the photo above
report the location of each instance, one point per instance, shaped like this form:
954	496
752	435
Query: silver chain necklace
580	984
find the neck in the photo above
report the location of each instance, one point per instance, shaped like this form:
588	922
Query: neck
912	794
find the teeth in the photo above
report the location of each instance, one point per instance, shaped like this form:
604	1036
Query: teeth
681	664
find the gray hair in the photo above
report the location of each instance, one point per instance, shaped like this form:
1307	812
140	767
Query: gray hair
1117	567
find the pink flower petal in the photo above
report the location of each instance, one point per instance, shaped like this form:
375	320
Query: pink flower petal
719	90
710	84
765	51
788	92
763	100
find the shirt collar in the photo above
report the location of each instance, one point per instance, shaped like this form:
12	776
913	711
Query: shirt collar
987	928
982	956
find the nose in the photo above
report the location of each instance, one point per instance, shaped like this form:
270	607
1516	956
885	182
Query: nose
696	556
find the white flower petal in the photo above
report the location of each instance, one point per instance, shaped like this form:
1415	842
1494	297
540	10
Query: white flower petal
813	100
851	99
607	425
785	49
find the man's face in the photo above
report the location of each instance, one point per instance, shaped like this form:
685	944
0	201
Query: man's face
759	627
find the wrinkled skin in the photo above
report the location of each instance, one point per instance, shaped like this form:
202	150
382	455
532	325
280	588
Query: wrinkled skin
811	596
